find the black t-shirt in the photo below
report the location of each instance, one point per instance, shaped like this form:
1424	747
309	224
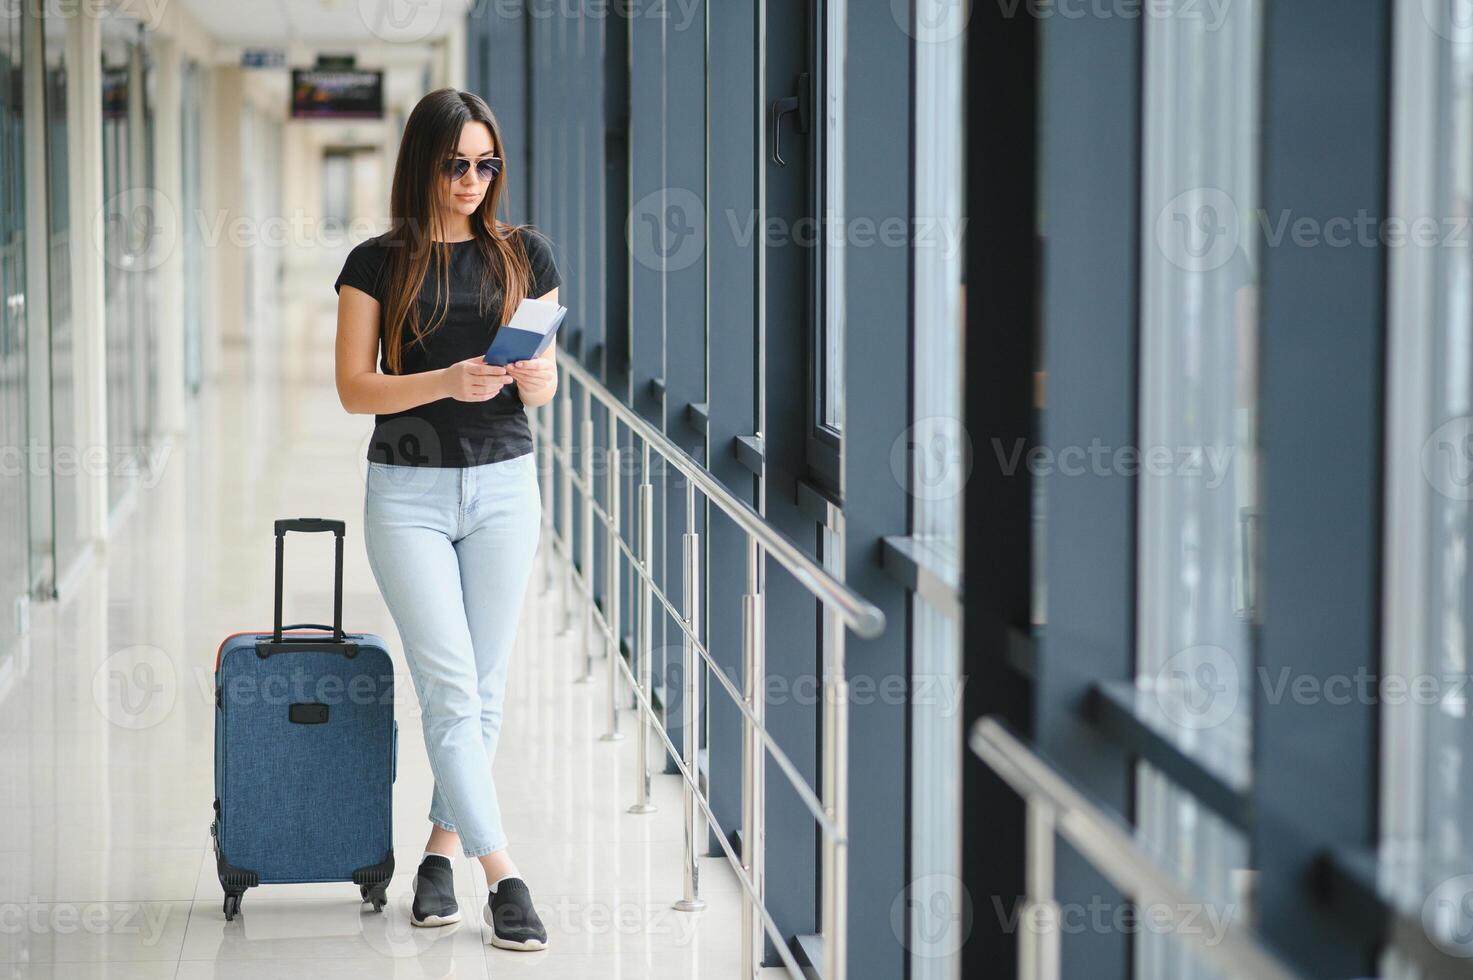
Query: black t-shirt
449	432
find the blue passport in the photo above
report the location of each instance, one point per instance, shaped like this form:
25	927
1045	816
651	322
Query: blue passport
529	333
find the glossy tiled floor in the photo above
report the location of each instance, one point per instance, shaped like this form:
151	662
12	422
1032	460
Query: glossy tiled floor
106	726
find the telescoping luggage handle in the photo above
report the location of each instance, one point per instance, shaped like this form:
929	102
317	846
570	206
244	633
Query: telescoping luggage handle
311	525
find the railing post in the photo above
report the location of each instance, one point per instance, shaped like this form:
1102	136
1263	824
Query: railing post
1040	957
695	824
612	574
548	461
834	917
646	646
754	757
565	414
586	465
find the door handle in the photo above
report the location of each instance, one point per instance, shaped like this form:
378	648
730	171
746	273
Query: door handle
799	102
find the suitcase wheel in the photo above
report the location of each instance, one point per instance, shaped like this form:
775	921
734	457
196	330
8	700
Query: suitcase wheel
377	894
232	905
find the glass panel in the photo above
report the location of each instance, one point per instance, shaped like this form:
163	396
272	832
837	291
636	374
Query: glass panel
1427	754
119	255
831	208
145	299
940	455
1198	376
249	193
1448	793
939	460
1198	500
67	443
15	543
1185	836
130	280
193	101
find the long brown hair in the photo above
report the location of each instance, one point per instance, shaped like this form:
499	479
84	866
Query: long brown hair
416	205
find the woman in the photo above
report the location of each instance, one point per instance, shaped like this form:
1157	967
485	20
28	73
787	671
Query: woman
452	509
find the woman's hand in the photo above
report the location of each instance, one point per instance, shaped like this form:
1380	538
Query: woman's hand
536	379
473	380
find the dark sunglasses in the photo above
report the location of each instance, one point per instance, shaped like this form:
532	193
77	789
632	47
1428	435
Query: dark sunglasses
486	168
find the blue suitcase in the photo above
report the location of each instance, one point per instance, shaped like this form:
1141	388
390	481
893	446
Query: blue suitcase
305	751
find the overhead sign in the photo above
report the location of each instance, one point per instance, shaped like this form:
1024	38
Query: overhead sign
263	58
335	94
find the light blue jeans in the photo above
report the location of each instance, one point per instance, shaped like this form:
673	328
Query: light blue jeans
451	550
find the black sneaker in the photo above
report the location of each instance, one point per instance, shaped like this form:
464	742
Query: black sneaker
513	921
434	893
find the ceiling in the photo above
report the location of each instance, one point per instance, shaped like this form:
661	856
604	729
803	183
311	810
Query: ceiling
282	23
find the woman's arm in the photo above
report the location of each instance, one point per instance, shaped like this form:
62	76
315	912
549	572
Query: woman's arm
537	379
363	390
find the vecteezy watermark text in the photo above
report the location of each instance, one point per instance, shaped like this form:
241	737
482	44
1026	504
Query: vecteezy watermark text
1210	463
37	918
38	459
1212	13
1106	917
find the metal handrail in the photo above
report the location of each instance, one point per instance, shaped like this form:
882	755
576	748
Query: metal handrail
841	607
858	613
1056	807
690	777
784	762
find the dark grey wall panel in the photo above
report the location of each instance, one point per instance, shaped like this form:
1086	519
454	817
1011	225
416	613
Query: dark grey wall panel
685	288
879	304
646	215
732	345
1091	203
1322	359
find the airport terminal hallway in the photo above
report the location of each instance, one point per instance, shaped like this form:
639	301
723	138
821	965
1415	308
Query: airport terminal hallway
106	752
